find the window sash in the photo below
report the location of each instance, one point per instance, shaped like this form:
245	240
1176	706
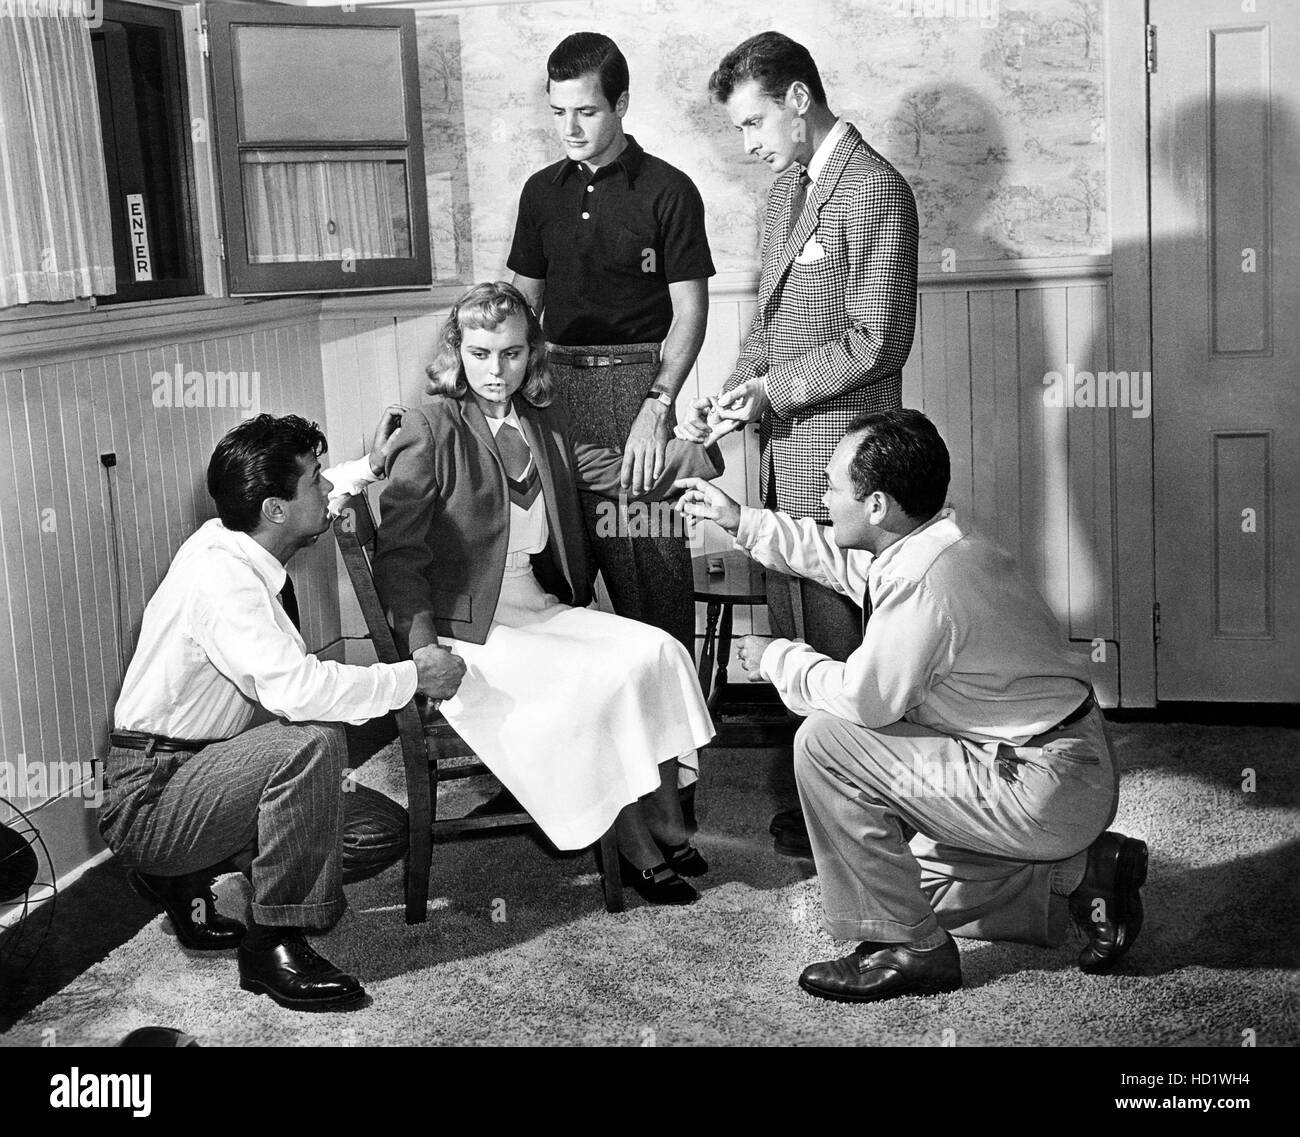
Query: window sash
380	235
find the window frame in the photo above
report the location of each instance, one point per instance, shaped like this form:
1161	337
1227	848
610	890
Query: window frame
169	21
246	278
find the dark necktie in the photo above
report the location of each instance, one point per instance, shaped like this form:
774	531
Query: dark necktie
798	198
521	470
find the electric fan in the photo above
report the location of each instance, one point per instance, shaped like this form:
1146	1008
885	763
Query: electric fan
27	890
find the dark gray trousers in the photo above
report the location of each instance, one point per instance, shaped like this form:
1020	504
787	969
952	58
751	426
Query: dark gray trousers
274	791
648	575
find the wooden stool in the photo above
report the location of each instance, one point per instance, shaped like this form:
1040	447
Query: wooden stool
745	713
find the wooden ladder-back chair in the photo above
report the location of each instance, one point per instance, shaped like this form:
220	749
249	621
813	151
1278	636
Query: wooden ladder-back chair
432	751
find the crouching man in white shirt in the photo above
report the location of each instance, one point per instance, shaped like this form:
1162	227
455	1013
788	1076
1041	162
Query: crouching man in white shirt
187	784
955	770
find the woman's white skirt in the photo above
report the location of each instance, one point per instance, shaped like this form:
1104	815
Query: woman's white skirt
574	710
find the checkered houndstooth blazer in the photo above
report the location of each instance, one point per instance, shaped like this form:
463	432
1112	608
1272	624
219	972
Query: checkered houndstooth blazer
835	317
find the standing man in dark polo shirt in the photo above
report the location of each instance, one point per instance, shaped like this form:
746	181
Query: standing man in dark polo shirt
610	250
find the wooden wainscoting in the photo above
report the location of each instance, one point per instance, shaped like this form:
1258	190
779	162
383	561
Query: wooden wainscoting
67	395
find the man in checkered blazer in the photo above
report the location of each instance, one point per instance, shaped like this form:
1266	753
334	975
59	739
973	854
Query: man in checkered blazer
835	316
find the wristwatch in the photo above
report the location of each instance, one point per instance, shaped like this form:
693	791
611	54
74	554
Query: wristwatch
659	397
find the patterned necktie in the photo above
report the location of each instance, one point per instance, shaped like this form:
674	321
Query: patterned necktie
798	198
521	470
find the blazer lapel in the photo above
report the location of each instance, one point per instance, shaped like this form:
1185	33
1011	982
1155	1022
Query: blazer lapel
477	422
821	193
536	435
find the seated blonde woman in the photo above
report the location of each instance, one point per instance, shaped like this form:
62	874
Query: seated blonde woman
584	716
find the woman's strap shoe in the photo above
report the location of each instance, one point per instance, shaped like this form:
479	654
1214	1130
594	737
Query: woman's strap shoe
683	859
659	885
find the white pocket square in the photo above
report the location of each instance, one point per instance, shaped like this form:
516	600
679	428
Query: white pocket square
812	251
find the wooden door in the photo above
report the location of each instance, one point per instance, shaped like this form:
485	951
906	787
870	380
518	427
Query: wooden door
1225	264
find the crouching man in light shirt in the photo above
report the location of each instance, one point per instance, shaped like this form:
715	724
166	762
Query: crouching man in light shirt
187	784
955	770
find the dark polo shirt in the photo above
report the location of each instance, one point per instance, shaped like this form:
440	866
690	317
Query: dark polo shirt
608	245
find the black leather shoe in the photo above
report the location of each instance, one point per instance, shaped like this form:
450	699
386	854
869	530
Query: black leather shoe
793	843
683	859
199	927
297	977
786	820
1107	905
503	801
659	885
875	971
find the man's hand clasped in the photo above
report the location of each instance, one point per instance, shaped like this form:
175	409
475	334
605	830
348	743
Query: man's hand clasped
438	671
385	438
718	415
750	650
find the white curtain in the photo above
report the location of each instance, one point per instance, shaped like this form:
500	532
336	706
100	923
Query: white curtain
56	237
291	205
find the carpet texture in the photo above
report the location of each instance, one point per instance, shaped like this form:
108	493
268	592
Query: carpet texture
518	948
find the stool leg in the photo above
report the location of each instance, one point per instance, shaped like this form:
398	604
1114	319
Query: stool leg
724	650
710	642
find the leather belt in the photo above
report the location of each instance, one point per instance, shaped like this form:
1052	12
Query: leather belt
139	740
605	360
1075	715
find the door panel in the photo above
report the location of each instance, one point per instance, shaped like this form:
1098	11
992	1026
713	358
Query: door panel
1225	264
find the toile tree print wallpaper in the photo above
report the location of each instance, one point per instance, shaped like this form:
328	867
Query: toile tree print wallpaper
992	110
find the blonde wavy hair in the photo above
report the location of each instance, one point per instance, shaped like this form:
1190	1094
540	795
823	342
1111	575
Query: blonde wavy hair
489	305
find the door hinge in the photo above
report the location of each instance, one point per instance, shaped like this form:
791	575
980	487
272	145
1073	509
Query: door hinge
221	247
1151	49
203	39
1155	622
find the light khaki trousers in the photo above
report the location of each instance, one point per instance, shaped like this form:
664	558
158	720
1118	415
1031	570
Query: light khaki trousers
912	830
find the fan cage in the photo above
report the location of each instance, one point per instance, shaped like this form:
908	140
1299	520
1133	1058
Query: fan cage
25	922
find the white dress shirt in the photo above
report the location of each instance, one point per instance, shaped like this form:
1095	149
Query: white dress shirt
215	643
823	152
958	640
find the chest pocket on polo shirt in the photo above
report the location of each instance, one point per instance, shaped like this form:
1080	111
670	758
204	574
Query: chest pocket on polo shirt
635	253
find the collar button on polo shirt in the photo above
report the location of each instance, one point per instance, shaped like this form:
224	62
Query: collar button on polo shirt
608	243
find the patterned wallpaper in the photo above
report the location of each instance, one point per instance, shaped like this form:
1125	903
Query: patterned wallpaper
992	111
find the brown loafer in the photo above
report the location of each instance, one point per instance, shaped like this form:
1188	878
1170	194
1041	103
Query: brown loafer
884	971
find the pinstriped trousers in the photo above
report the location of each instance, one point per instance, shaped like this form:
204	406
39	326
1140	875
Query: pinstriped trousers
649	577
274	791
